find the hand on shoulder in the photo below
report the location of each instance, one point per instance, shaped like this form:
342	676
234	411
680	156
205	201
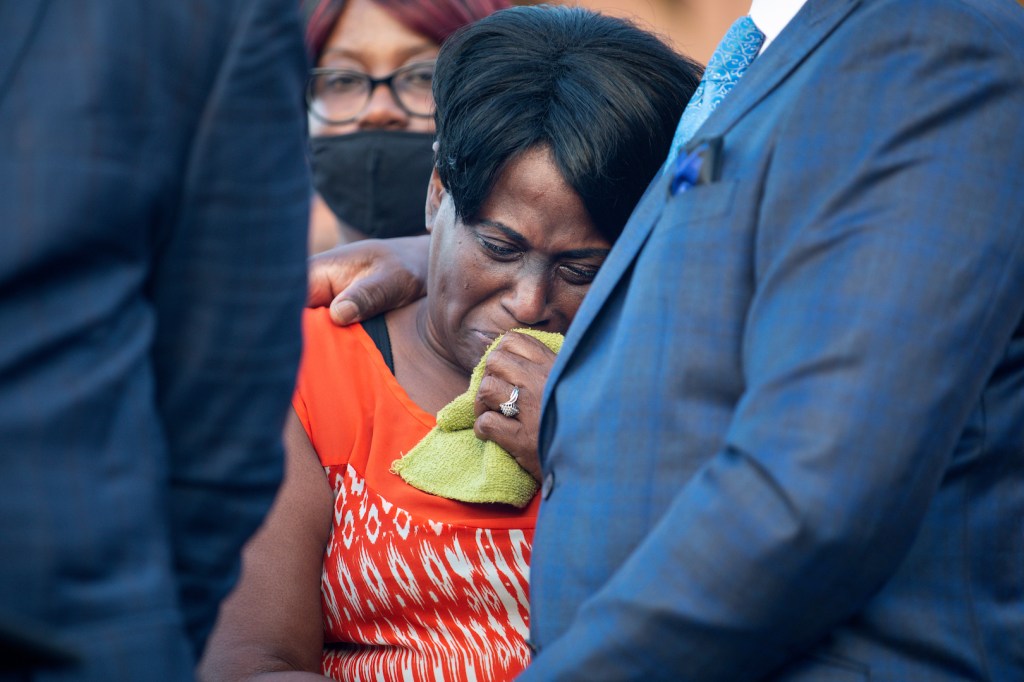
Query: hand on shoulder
366	278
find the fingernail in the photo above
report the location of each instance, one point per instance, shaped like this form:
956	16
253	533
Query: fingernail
344	312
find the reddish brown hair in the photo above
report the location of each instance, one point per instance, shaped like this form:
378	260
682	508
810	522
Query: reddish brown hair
435	19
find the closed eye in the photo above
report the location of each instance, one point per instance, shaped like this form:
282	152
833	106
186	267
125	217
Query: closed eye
577	274
499	250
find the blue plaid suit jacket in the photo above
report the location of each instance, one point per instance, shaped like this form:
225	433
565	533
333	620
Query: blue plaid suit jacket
785	436
153	201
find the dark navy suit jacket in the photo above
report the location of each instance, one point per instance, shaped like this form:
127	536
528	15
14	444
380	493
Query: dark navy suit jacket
153	199
785	435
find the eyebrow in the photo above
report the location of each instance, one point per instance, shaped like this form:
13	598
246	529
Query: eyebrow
403	55
525	243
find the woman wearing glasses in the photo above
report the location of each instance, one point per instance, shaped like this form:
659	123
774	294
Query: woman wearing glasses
550	123
371	111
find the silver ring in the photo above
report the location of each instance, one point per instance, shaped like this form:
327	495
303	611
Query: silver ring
508	408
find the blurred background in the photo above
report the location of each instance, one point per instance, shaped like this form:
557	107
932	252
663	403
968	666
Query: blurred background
692	27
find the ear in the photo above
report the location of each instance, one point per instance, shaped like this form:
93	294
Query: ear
435	193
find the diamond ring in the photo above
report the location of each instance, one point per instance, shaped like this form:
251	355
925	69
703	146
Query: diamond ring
509	408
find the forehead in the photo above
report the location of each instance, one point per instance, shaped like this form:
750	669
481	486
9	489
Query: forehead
366	33
531	197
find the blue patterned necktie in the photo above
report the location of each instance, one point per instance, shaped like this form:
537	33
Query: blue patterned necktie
731	58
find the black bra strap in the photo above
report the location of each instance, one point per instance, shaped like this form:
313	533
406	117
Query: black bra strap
377	328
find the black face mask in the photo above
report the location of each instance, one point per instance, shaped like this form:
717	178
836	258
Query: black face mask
375	180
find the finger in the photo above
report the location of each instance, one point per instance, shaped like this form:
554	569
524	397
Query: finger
329	273
492	393
369	277
514	371
511	436
502	430
495	392
527	347
529	375
375	293
344	311
364	298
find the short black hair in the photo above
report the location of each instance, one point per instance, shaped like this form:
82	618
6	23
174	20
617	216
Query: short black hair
602	94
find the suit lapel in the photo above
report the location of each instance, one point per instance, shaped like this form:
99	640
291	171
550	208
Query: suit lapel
18	24
811	25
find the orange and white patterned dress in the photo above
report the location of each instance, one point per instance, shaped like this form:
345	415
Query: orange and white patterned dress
414	587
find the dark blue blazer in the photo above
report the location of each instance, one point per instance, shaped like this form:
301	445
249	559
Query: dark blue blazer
153	199
785	436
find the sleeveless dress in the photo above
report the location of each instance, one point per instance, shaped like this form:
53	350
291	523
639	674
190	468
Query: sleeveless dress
414	587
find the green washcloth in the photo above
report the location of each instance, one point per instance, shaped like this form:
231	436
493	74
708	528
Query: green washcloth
452	462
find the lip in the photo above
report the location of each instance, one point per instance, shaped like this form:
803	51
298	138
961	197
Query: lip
486	337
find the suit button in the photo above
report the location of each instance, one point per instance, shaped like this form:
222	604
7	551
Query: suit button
547	486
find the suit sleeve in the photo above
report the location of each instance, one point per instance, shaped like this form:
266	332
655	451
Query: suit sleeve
228	289
878	315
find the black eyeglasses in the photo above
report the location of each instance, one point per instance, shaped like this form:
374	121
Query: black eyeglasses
339	95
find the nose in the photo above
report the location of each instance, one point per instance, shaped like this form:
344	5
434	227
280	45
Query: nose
382	111
527	301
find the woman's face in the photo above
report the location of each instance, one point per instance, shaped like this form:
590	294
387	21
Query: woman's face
526	261
368	39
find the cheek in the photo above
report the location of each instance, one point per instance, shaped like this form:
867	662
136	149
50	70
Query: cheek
318	128
474	290
566	301
418	124
472	280
455	274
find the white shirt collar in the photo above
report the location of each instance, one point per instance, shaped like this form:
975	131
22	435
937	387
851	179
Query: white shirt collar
771	16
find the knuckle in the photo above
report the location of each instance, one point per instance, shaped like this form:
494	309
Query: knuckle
486	387
496	358
484	425
518	339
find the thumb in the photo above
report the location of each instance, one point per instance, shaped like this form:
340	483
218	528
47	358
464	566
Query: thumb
372	295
